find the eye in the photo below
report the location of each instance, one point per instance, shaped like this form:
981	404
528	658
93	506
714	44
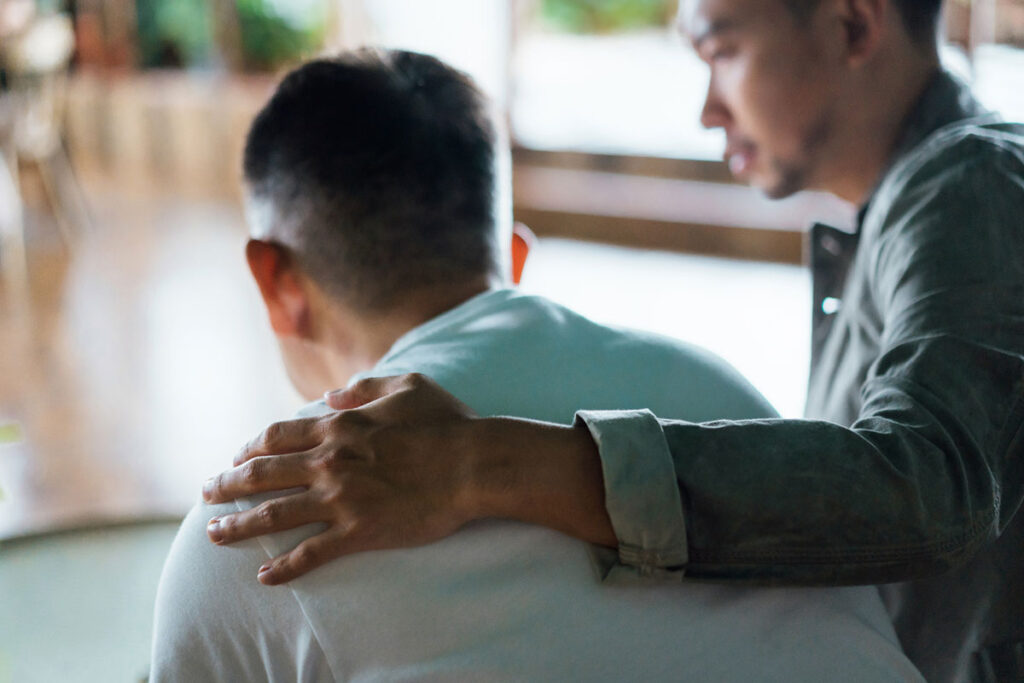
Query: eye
719	54
713	51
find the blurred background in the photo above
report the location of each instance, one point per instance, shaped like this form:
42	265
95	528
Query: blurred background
134	355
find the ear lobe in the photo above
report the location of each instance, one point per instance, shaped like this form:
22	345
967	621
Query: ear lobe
523	240
281	289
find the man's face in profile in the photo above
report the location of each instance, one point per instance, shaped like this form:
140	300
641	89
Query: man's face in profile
773	76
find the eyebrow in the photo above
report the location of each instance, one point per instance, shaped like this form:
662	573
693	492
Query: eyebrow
715	28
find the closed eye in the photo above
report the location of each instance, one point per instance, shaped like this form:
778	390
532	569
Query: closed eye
718	54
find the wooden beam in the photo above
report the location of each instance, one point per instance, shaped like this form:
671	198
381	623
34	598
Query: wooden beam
757	244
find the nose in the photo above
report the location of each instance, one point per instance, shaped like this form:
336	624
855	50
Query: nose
714	113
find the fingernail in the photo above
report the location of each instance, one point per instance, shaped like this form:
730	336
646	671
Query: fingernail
213	530
333	392
208	489
264	573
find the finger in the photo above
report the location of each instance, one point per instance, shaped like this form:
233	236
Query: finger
289	436
304	558
276	514
265	473
365	391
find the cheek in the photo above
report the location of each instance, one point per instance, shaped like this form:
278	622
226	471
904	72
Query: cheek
782	102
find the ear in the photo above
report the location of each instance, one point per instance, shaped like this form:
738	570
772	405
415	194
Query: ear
864	24
280	285
523	240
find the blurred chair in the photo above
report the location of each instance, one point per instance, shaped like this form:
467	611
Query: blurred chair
35	60
77	604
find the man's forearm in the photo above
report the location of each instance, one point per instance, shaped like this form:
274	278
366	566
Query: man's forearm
539	473
822	504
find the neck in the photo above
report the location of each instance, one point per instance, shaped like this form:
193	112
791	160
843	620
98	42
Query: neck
356	341
876	116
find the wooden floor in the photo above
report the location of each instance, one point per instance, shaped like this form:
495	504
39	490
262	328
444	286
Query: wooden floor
141	361
138	367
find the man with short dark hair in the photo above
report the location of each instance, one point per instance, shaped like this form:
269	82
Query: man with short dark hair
911	468
375	208
418	209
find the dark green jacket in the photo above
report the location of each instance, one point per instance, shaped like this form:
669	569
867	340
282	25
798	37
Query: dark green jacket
910	466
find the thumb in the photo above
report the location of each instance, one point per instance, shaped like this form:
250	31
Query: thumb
364	391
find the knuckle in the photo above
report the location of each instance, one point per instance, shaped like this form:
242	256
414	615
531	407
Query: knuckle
361	389
335	496
268	514
305	556
272	434
362	527
335	461
416	380
362	386
329	461
252	471
340	423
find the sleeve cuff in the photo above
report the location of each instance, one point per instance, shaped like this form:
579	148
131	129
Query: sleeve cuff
641	496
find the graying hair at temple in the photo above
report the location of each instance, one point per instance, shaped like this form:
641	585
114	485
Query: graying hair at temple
378	170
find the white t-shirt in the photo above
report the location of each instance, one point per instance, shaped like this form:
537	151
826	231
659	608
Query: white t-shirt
501	600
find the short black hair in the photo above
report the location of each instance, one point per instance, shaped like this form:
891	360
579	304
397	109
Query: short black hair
382	162
920	17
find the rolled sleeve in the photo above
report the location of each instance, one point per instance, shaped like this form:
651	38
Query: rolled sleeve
641	495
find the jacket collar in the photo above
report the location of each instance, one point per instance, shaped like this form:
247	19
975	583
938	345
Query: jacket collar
945	100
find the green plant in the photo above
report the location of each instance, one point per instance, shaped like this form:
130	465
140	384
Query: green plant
268	33
174	34
274	33
603	16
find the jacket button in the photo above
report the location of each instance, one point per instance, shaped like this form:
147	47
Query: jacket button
831	245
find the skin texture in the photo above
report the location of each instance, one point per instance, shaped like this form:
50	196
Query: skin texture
805	105
769	90
366	477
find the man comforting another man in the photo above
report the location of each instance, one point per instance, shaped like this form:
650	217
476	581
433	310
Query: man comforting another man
380	241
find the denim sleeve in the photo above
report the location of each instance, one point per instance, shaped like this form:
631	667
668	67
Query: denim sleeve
641	496
933	466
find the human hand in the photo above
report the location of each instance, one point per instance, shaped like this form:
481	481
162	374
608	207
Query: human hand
391	469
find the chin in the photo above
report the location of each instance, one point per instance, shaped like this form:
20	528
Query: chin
780	186
778	191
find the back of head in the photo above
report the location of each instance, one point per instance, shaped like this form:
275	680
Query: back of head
376	169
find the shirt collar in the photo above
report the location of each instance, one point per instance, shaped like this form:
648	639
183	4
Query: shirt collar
453	318
945	100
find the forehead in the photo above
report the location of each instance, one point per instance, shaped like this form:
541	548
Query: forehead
697	18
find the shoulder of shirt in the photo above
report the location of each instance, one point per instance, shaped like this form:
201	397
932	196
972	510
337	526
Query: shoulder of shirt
968	145
538	309
553	318
218	622
959	156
